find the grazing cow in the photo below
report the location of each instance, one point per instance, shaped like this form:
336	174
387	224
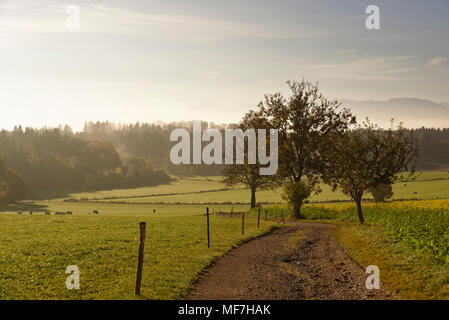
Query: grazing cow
154	210
47	212
19	212
69	212
31	212
59	213
95	212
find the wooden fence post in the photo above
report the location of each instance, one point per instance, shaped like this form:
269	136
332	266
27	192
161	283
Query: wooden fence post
140	258
208	237
258	219
243	223
266	214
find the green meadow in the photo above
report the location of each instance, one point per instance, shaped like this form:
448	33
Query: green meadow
36	248
201	190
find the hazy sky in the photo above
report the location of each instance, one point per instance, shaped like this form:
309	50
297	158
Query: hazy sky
213	60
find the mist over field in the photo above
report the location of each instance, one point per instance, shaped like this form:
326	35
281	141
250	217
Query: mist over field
412	112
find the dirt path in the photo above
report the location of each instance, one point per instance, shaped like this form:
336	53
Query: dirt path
301	261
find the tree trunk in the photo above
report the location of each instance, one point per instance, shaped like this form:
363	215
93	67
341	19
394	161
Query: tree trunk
359	210
253	198
297	209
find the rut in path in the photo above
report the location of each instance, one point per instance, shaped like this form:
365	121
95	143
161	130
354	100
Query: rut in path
301	261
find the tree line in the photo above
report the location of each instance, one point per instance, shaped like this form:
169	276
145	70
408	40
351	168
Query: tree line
40	159
151	141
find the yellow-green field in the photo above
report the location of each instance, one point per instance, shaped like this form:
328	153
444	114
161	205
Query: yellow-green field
113	209
407	240
199	190
178	185
35	249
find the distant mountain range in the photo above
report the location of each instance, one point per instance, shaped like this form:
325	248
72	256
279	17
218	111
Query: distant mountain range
412	112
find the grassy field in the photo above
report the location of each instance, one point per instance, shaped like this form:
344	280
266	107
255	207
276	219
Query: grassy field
112	209
198	190
35	249
432	189
228	196
178	185
407	240
408	273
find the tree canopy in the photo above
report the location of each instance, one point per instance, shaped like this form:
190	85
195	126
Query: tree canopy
367	157
308	123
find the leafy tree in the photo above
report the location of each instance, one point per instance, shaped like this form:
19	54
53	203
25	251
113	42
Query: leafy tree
368	157
4	189
381	192
292	191
17	186
308	123
249	174
12	186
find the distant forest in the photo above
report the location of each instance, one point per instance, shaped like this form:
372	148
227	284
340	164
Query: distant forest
105	155
58	159
151	141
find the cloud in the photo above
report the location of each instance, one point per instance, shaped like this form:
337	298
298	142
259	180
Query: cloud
364	67
9	6
103	19
435	62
